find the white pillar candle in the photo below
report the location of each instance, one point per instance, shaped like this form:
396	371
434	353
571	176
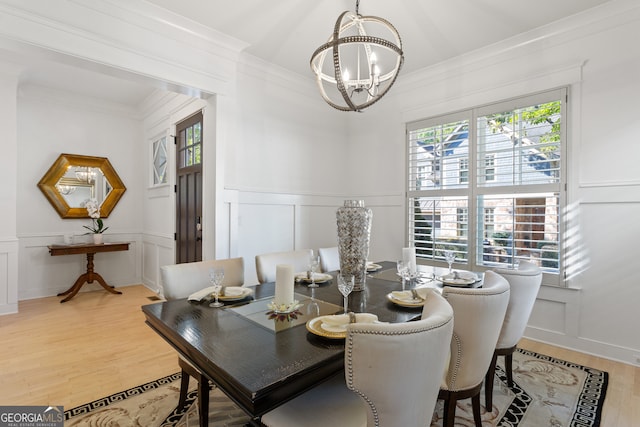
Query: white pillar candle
284	284
409	258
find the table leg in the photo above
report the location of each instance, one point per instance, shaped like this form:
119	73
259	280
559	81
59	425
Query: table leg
87	277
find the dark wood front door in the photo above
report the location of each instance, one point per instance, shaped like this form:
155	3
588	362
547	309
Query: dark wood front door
189	189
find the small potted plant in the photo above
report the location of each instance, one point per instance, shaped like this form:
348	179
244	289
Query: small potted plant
97	227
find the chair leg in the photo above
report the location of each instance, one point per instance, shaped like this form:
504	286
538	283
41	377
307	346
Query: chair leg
475	407
488	383
203	401
508	366
449	412
184	388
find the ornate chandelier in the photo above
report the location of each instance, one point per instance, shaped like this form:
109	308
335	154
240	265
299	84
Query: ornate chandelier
367	57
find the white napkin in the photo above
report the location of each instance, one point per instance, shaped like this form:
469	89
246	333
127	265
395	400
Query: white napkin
407	296
229	291
234	291
339	322
201	294
316	276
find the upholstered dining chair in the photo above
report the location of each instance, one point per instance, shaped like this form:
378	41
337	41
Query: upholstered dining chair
329	259
525	283
478	314
392	372
180	281
266	263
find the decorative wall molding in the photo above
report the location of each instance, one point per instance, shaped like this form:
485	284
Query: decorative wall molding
8	276
124	38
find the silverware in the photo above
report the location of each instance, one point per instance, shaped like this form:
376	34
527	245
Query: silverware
415	295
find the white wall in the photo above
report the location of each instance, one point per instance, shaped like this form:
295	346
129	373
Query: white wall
279	172
9	74
596	57
51	123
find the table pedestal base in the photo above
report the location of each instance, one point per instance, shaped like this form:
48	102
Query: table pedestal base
87	277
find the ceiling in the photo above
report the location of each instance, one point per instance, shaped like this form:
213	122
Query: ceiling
286	32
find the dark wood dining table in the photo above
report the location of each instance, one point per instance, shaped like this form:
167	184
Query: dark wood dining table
261	362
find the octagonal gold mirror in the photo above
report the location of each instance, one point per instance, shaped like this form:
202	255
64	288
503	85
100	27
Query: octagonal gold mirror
73	179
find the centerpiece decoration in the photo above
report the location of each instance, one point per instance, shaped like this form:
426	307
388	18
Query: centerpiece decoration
97	227
354	230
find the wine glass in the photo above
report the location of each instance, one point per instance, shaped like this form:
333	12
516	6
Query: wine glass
402	268
314	263
313	309
450	257
345	286
216	275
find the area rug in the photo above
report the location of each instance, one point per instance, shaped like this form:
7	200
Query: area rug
547	392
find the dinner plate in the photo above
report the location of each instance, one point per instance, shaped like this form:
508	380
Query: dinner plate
319	277
315	327
405	302
245	293
373	267
466	279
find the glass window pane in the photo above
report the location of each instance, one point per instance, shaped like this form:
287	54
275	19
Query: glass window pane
189	136
436	224
519	227
197	154
435	155
520	147
189	156
160	161
182	139
197	131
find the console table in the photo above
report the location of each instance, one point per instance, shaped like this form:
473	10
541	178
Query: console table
90	250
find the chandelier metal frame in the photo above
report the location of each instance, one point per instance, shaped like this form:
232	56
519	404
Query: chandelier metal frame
376	84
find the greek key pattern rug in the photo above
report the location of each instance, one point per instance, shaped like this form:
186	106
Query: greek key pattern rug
547	392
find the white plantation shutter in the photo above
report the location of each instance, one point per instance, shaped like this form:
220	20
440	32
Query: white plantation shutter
488	183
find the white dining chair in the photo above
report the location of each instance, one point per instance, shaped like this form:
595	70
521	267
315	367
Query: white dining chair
266	263
525	283
478	314
391	376
329	259
180	281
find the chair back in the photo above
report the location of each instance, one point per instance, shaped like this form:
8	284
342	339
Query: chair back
396	368
181	280
266	263
329	259
525	283
478	313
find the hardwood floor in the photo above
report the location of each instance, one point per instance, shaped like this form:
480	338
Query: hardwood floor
91	346
98	344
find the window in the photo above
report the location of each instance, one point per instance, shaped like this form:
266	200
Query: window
464	171
489	167
190	145
462	222
497	194
160	161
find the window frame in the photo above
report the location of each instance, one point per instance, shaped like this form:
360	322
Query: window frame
473	189
162	140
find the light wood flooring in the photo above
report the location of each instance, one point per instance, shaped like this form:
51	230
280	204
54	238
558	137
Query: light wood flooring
98	344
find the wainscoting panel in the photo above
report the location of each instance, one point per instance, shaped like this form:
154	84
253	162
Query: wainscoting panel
549	316
8	277
43	275
156	251
264	228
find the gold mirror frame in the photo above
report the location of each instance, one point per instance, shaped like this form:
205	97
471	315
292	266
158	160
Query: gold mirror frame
58	169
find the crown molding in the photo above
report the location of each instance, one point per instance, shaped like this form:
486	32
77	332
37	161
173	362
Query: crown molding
131	36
